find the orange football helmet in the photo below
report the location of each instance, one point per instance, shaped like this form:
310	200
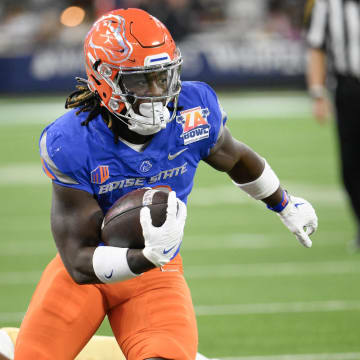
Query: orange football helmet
133	64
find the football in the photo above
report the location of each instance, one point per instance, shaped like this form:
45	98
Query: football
121	225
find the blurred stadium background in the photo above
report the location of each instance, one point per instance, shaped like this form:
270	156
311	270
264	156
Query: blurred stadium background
258	294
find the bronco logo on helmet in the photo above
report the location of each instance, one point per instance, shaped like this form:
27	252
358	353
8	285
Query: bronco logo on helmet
133	65
110	39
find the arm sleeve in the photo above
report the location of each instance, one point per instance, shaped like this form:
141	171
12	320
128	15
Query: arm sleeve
318	26
63	163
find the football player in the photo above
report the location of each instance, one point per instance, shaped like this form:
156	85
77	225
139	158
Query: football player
133	123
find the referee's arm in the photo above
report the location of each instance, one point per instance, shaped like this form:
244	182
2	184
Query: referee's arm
316	76
316	65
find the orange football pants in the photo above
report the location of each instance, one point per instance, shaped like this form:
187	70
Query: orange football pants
151	315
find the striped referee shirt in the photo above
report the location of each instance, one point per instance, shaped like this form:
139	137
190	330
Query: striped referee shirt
335	28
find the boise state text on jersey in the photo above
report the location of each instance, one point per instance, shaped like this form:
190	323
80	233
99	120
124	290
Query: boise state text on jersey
86	157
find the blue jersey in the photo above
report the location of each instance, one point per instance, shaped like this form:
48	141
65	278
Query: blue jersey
87	158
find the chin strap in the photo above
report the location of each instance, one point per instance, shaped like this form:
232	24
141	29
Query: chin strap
153	118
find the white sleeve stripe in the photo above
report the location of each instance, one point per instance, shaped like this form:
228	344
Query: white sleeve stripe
220	131
223	117
338	35
316	34
44	154
223	113
352	11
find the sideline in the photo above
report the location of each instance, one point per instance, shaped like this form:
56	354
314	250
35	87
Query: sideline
244	106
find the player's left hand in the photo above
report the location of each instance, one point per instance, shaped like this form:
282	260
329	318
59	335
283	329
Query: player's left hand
300	218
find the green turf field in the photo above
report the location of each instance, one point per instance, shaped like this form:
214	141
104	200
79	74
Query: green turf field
258	294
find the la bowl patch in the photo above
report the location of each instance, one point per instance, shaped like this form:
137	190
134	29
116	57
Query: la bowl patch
194	123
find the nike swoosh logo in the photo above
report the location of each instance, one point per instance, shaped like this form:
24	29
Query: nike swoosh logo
298	204
173	156
166	251
109	276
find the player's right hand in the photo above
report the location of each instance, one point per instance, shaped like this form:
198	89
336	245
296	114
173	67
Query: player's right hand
163	243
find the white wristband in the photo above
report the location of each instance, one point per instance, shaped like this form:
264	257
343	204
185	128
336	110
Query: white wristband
110	264
265	185
317	92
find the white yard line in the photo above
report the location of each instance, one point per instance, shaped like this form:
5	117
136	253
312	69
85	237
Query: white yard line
228	194
28	173
271	269
239	240
226	271
19	277
10	317
247	309
267	106
33	251
208	242
244	106
30	113
23	173
277	308
322	356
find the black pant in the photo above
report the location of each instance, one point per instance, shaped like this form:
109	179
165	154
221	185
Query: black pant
347	103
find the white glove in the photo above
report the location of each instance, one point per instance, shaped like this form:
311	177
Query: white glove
163	243
300	218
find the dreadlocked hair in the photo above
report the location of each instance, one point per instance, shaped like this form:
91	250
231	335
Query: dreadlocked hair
88	101
85	100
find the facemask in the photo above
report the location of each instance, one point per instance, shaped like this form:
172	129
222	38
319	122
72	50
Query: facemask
153	118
